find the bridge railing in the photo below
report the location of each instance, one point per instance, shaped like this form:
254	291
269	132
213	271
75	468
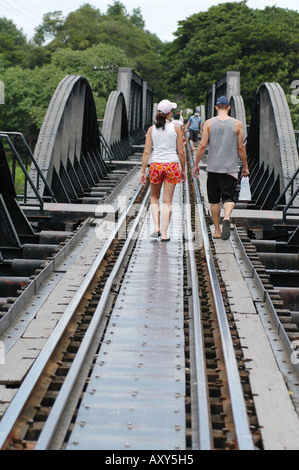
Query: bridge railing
105	149
294	191
25	167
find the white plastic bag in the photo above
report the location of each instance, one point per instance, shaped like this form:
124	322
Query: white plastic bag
245	193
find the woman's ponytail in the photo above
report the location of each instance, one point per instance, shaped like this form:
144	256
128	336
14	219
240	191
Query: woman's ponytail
160	120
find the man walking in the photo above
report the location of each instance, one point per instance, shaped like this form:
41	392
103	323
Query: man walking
225	137
193	126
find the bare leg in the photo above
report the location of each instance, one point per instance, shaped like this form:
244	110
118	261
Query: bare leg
155	207
167	208
215	212
228	208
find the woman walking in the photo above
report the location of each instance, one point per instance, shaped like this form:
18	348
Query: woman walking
168	153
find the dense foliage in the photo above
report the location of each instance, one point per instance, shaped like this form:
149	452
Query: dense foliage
262	44
87	43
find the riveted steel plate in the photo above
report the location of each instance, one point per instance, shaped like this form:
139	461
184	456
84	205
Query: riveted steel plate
136	393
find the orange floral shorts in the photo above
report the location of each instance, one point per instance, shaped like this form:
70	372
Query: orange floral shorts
167	172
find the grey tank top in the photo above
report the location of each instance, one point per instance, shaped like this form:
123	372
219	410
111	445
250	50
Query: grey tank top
223	150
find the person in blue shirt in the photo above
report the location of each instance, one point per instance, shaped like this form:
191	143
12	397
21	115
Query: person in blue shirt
194	125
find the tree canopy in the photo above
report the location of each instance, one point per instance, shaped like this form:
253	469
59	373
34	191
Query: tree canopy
262	44
87	27
13	44
86	42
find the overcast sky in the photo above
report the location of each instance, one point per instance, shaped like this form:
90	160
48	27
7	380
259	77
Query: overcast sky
161	16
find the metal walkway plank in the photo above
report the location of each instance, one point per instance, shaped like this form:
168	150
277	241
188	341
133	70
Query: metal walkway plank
136	393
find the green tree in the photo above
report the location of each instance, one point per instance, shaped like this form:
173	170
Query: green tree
94	64
117	9
50	27
27	97
29	92
137	18
87	27
81	28
13	45
262	44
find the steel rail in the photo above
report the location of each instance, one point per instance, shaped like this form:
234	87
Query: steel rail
52	423
35	285
243	434
20	399
281	332
204	427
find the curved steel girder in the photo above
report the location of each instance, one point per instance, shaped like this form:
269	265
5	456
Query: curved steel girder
238	111
69	131
115	125
271	139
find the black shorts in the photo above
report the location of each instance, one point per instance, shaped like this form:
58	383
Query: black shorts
193	135
222	186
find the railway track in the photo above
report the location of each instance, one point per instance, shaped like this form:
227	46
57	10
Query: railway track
49	408
229	390
93	284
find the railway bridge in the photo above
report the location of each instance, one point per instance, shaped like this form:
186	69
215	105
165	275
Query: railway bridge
113	341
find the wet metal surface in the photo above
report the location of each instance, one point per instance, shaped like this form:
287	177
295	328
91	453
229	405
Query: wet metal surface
136	393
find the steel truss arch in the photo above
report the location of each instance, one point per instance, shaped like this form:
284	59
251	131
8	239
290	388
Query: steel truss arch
271	147
115	127
68	146
238	111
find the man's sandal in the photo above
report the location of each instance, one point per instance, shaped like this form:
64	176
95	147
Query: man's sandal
225	230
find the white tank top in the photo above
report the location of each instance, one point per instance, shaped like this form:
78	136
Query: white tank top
164	144
177	123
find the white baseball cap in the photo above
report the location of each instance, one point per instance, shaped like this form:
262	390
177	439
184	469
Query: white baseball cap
166	106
